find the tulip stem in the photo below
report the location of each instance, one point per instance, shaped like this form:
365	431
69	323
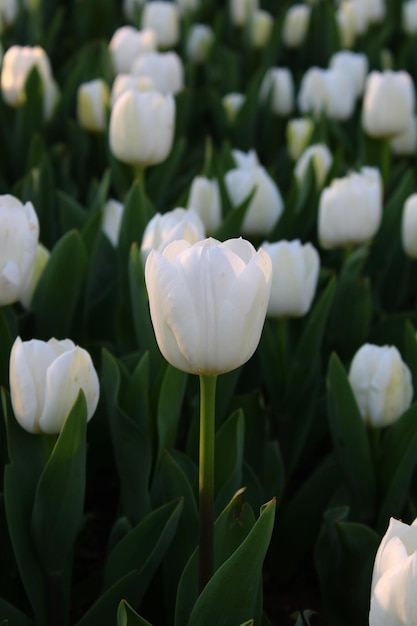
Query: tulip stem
140	176
206	478
282	348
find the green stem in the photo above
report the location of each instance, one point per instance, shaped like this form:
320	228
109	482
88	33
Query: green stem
281	334
206	478
140	176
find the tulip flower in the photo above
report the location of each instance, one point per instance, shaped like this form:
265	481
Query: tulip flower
326	91
18	61
176	224
142	127
295	26
298	132
124	82
232	103
41	260
127	43
381	384
165	69
409	17
199	42
204	199
112	220
93	97
354	65
164	19
405	142
266	206
320	157
394	579
409	226
45	379
295	272
19	234
241	11
261	26
278	82
388	103
350	209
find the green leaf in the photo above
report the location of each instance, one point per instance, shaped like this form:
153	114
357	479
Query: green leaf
136	214
229	446
344	558
350	440
129	433
11	614
231	595
59	499
170	398
7	333
55	300
410	352
143	548
126	616
230	529
231	225
27	458
396	467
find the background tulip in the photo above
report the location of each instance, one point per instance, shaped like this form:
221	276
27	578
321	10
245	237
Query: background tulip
19	233
295	26
350	209
354	65
242	10
208	303
261	27
298	132
388	103
165	69
41	259
321	159
409	226
381	383
112	220
393	600
127	43
199	42
204	198
328	92
176	224
93	98
142	127
278	82
164	19
45	379
295	272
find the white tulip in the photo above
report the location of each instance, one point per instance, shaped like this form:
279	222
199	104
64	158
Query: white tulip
19	234
93	98
388	103
298	132
321	159
199	42
163	18
112	220
354	65
266	206
242	10
45	379
176	224
295	272
204	199
208	303
409	226
409	17
127	43
165	69
279	82
295	26
394	579
232	103
405	142
141	128
350	209
124	82
381	383
261	26
41	260
328	92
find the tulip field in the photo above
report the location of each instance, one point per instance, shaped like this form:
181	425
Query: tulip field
208	313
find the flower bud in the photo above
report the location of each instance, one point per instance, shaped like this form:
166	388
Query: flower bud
381	384
208	303
354	65
45	379
127	43
142	127
93	99
232	103
295	272
241	11
266	206
41	260
199	43
124	82
388	103
405	142
350	209
163	18
326	91
298	132
112	220
261	26
176	224
18	62
278	82
409	17
165	69
409	226
19	233
394	578
204	199
296	23
321	159
345	18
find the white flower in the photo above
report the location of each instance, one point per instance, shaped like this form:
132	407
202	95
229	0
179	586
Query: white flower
326	91
298	132
242	10
320	157
199	42
232	103
295	26
165	69
388	103
112	220
163	18
405	142
204	198
93	98
45	379
355	65
409	17
208	303
127	43
278	82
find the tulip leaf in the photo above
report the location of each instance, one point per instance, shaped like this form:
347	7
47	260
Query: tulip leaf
59	499
29	118
7	333
232	223
144	332
143	548
350	440
162	178
129	434
127	616
397	463
137	212
344	557
230	529
55	299
27	457
72	214
229	446
293	537
13	615
170	398
231	595
410	352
